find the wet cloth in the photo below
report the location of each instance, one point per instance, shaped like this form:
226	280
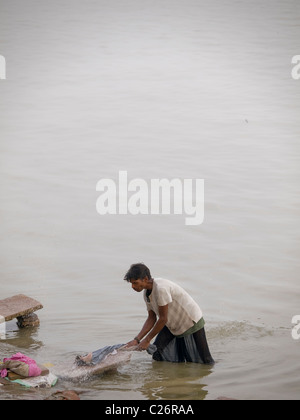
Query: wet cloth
183	311
21	365
101	354
187	348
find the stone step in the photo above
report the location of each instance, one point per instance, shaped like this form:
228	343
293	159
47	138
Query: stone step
18	306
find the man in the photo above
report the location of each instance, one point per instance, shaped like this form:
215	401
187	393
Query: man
173	316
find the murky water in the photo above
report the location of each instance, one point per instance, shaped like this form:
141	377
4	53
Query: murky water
162	89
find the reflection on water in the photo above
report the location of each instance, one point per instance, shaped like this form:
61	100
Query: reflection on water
25	338
171	381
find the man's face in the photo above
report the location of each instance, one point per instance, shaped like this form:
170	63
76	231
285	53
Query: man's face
138	285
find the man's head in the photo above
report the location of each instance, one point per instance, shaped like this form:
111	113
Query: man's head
139	276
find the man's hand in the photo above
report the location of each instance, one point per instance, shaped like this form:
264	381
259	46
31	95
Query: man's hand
144	344
132	343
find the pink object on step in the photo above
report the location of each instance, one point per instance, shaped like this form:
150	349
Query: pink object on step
34	370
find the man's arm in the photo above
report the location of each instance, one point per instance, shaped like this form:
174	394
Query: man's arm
159	325
149	324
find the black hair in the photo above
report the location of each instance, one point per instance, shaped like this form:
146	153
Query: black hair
137	271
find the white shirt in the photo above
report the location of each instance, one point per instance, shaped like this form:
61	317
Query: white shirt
183	311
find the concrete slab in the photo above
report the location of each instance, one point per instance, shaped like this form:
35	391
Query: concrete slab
19	305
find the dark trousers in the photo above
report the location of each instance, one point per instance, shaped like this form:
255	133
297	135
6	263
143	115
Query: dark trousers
192	348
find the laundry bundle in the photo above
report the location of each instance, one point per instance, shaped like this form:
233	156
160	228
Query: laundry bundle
21	365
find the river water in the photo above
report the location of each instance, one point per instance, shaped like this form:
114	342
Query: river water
161	89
